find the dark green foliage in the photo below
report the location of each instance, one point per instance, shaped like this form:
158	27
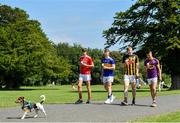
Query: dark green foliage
150	24
26	55
73	54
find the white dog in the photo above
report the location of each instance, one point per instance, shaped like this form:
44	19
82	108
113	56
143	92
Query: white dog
28	106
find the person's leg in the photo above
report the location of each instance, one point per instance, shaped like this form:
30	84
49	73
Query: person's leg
105	86
110	93
80	89
80	82
126	86
151	90
150	86
133	85
154	92
152	95
153	85
109	88
88	85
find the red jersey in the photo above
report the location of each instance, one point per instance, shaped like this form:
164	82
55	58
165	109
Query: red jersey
85	59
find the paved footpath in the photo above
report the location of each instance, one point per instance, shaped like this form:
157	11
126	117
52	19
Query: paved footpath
96	112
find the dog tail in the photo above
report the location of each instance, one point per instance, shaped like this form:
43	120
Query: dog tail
43	98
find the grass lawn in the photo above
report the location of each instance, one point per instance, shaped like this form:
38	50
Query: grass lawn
170	117
65	94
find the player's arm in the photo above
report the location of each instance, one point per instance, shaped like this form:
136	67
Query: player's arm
145	68
137	66
91	65
159	70
124	62
110	68
102	71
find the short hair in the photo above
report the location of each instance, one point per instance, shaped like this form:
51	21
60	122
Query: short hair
128	48
106	50
149	51
84	49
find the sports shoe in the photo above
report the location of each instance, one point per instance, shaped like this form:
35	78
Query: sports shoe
108	101
133	102
88	102
124	103
153	104
79	101
112	98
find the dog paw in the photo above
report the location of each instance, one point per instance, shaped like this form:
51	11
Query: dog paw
35	116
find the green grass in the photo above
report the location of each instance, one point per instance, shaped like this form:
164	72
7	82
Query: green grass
65	94
170	117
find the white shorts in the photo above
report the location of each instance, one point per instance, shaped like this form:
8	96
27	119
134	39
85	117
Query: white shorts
129	78
85	77
107	79
152	80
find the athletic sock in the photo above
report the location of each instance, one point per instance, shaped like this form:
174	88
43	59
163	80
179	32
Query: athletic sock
109	95
125	96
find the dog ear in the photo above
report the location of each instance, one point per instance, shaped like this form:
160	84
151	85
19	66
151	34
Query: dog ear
21	98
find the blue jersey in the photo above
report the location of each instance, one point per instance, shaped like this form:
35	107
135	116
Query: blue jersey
108	62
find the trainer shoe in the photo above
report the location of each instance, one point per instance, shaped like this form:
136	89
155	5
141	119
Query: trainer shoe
88	102
153	104
124	103
108	101
79	101
133	102
112	98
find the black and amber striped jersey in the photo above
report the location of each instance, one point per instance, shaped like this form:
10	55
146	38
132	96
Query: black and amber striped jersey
130	62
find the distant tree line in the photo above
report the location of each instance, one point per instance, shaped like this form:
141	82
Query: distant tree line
27	57
73	54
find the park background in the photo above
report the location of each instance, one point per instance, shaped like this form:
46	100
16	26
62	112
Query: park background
33	54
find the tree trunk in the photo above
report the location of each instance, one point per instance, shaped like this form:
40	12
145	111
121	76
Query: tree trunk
175	82
12	84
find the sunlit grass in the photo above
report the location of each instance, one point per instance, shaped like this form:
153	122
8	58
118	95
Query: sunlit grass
65	94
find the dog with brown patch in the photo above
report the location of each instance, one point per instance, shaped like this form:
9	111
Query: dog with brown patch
28	106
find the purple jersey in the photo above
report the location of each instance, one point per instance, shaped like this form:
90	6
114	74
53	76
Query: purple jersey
152	70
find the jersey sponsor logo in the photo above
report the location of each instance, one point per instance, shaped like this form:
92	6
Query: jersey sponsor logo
107	65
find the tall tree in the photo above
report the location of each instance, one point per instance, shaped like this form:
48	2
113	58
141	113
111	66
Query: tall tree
154	25
26	55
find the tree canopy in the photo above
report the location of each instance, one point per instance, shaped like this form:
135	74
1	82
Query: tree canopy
26	55
153	25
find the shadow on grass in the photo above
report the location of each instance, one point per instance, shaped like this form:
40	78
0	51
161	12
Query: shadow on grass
29	89
112	104
13	118
102	91
27	117
21	89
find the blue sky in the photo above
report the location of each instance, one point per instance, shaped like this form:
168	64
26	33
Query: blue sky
73	21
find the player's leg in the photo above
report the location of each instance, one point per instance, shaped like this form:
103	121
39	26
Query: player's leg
110	94
88	85
133	85
105	83
150	86
109	87
151	90
106	86
126	86
154	91
80	82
